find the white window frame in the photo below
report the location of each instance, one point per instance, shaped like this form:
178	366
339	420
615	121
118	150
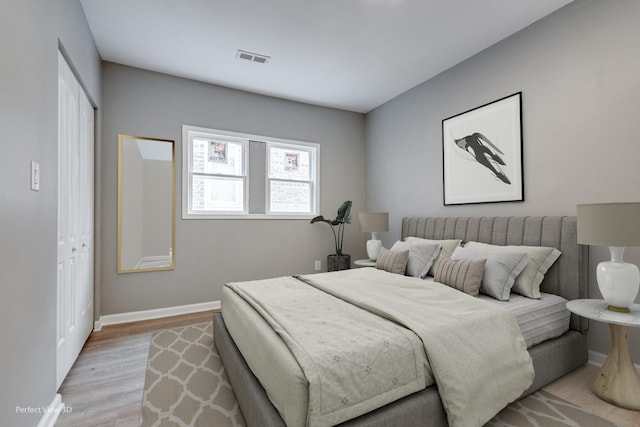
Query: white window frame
190	131
188	134
312	149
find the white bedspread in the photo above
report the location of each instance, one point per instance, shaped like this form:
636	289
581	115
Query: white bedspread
353	360
475	349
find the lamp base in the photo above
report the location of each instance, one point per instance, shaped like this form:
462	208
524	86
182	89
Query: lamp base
373	249
618	309
618	281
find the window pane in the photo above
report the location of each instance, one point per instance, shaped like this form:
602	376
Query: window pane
287	196
217	194
289	163
217	157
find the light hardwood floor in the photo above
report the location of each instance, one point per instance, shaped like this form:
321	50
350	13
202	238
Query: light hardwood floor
104	387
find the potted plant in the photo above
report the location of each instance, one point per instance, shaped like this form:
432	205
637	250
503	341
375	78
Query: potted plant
338	261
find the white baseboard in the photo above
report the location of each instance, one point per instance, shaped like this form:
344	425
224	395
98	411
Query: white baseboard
52	412
598	359
137	316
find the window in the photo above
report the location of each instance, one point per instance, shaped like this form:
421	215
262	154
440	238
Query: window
233	175
290	178
217	171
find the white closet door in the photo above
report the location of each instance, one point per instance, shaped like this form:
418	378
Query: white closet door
75	220
86	204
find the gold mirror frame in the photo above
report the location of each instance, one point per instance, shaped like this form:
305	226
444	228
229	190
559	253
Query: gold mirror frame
127	216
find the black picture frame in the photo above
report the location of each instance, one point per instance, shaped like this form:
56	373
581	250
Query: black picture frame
482	154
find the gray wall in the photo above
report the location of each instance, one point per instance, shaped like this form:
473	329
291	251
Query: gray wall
578	70
209	253
30	31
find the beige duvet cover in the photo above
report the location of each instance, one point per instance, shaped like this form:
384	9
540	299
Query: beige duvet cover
355	361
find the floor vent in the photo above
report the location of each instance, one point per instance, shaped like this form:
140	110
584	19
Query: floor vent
254	57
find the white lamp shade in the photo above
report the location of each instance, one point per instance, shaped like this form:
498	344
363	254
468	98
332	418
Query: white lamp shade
609	224
372	222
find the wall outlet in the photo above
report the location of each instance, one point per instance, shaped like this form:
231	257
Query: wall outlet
318	265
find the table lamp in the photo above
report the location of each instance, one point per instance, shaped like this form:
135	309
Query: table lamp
373	222
616	225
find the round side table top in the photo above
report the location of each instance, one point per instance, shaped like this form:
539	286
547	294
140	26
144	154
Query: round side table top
596	309
365	263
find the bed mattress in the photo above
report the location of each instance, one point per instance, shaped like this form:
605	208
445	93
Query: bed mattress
539	320
285	384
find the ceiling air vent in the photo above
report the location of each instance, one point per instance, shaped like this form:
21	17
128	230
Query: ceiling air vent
254	57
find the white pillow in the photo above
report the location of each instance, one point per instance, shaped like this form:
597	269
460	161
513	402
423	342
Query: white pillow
421	256
447	248
500	270
541	258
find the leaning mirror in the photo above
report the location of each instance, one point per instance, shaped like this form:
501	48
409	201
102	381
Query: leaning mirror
146	202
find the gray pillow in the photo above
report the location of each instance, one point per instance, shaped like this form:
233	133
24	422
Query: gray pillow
392	261
463	275
447	247
500	271
541	258
421	256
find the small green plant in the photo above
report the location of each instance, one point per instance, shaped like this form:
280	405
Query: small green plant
343	217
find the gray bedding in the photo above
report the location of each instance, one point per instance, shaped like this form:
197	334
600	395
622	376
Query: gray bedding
565	279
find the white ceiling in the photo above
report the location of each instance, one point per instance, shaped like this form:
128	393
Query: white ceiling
348	54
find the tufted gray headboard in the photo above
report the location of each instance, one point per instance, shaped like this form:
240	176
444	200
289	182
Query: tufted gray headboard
568	277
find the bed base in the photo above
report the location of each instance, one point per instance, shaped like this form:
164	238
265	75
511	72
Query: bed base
551	359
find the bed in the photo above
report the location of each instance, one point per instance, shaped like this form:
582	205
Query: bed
551	359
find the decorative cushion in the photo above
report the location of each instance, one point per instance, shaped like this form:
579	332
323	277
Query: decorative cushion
541	258
392	261
500	271
447	248
463	275
421	256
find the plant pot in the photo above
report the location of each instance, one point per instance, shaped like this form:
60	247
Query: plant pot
338	262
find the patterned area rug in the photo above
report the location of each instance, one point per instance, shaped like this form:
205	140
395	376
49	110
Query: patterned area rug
186	385
543	409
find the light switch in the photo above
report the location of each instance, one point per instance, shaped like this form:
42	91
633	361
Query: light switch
35	176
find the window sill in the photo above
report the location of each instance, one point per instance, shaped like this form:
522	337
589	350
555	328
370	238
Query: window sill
249	217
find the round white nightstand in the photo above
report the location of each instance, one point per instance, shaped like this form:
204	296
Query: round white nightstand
618	381
365	263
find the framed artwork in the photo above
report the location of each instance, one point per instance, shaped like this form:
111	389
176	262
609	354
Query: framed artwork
482	154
